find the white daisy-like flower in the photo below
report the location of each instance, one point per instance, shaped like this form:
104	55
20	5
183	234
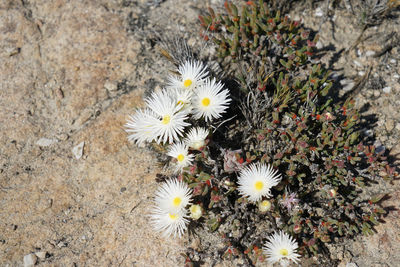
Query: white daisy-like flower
180	152
196	138
192	74
169	223
256	180
210	100
281	248
140	127
173	196
169	122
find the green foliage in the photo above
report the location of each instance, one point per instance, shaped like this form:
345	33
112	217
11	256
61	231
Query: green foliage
288	120
258	32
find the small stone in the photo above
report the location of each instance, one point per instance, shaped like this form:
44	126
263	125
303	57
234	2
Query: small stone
398	126
45	142
61	244
347	84
319	12
369	133
377	93
30	260
389	125
361	73
395	152
370	53
41	254
380	149
387	89
393	61
62	137
110	86
351	264
357	63
319	45
396	76
78	150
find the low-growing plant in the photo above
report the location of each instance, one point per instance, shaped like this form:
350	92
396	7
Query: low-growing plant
292	163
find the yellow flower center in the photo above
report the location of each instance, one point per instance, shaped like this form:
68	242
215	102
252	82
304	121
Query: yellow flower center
205	102
177	201
283	252
166	119
172	216
180	157
180	102
187	83
259	186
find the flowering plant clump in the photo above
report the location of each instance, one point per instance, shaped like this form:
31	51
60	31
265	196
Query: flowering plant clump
290	173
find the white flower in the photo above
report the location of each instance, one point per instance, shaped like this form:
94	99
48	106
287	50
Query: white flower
180	152
173	196
169	223
140	126
169	122
256	180
196	138
210	101
281	248
195	212
192	74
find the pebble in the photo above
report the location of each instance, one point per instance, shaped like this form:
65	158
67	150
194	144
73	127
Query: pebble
369	133
377	93
78	150
396	76
358	64
319	45
62	136
387	89
30	260
369	53
361	73
319	12
380	149
347	84
351	264
398	126
45	142
393	61
389	125
110	86
41	254
62	244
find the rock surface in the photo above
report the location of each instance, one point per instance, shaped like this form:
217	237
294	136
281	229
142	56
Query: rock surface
73	71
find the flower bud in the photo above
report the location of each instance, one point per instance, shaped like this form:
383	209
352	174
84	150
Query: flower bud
332	192
264	205
297	228
196	212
